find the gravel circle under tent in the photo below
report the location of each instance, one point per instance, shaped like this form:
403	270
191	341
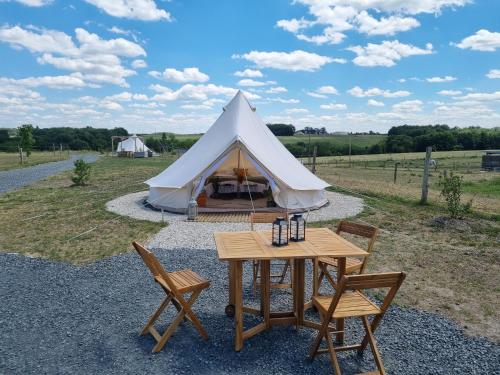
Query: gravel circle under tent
60	319
180	233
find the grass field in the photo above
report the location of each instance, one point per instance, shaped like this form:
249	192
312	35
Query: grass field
47	219
361	141
451	270
10	160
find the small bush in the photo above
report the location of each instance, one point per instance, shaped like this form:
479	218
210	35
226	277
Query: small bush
451	190
81	173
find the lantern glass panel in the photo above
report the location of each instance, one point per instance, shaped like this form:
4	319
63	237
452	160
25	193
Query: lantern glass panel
297	228
280	232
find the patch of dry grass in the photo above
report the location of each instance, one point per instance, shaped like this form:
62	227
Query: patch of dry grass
49	219
453	271
11	160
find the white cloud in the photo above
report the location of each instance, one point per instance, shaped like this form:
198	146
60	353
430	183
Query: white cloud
320	8
276	90
323	91
341	15
195	92
93	44
386	53
441	79
181	76
34	3
449	92
385	26
375	103
294	25
329	36
339	60
112	106
47	41
253	83
94	59
55	82
408	106
293	61
249	73
316	95
291	111
117	30
335	106
144	10
482	40
375	91
327	90
493	74
284	101
139	64
481	96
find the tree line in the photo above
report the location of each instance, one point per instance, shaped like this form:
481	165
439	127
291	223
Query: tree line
46	139
413	138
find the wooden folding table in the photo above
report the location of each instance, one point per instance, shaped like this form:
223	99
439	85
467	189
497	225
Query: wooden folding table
237	247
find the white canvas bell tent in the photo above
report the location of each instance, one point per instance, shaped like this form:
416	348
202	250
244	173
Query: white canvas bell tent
238	140
133	144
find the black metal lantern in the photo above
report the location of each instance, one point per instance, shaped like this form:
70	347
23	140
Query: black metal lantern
280	232
297	228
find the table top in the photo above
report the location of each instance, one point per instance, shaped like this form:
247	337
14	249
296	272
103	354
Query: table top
257	245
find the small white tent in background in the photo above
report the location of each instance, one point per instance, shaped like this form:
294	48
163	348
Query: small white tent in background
133	146
237	156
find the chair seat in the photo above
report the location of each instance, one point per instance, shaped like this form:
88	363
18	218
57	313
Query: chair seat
351	304
187	280
352	264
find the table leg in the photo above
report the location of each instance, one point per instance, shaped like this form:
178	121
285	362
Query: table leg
238	304
298	290
230	307
341	265
265	285
315	276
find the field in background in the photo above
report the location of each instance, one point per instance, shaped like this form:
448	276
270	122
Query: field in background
53	219
9	160
374	175
338	140
453	270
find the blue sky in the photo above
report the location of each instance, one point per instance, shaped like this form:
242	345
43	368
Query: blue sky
153	66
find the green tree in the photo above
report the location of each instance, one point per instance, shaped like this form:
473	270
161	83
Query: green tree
81	172
164	142
26	140
451	190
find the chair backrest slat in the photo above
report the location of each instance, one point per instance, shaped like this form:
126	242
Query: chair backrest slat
362	230
392	280
265	217
357	229
154	265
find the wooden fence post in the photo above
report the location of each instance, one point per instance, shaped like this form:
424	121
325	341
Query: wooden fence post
396	171
314	159
425	177
21	155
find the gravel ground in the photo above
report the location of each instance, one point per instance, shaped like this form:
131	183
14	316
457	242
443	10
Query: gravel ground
17	178
60	319
179	233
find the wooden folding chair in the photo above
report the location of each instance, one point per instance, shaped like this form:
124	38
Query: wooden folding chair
269	217
353	265
348	302
175	285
